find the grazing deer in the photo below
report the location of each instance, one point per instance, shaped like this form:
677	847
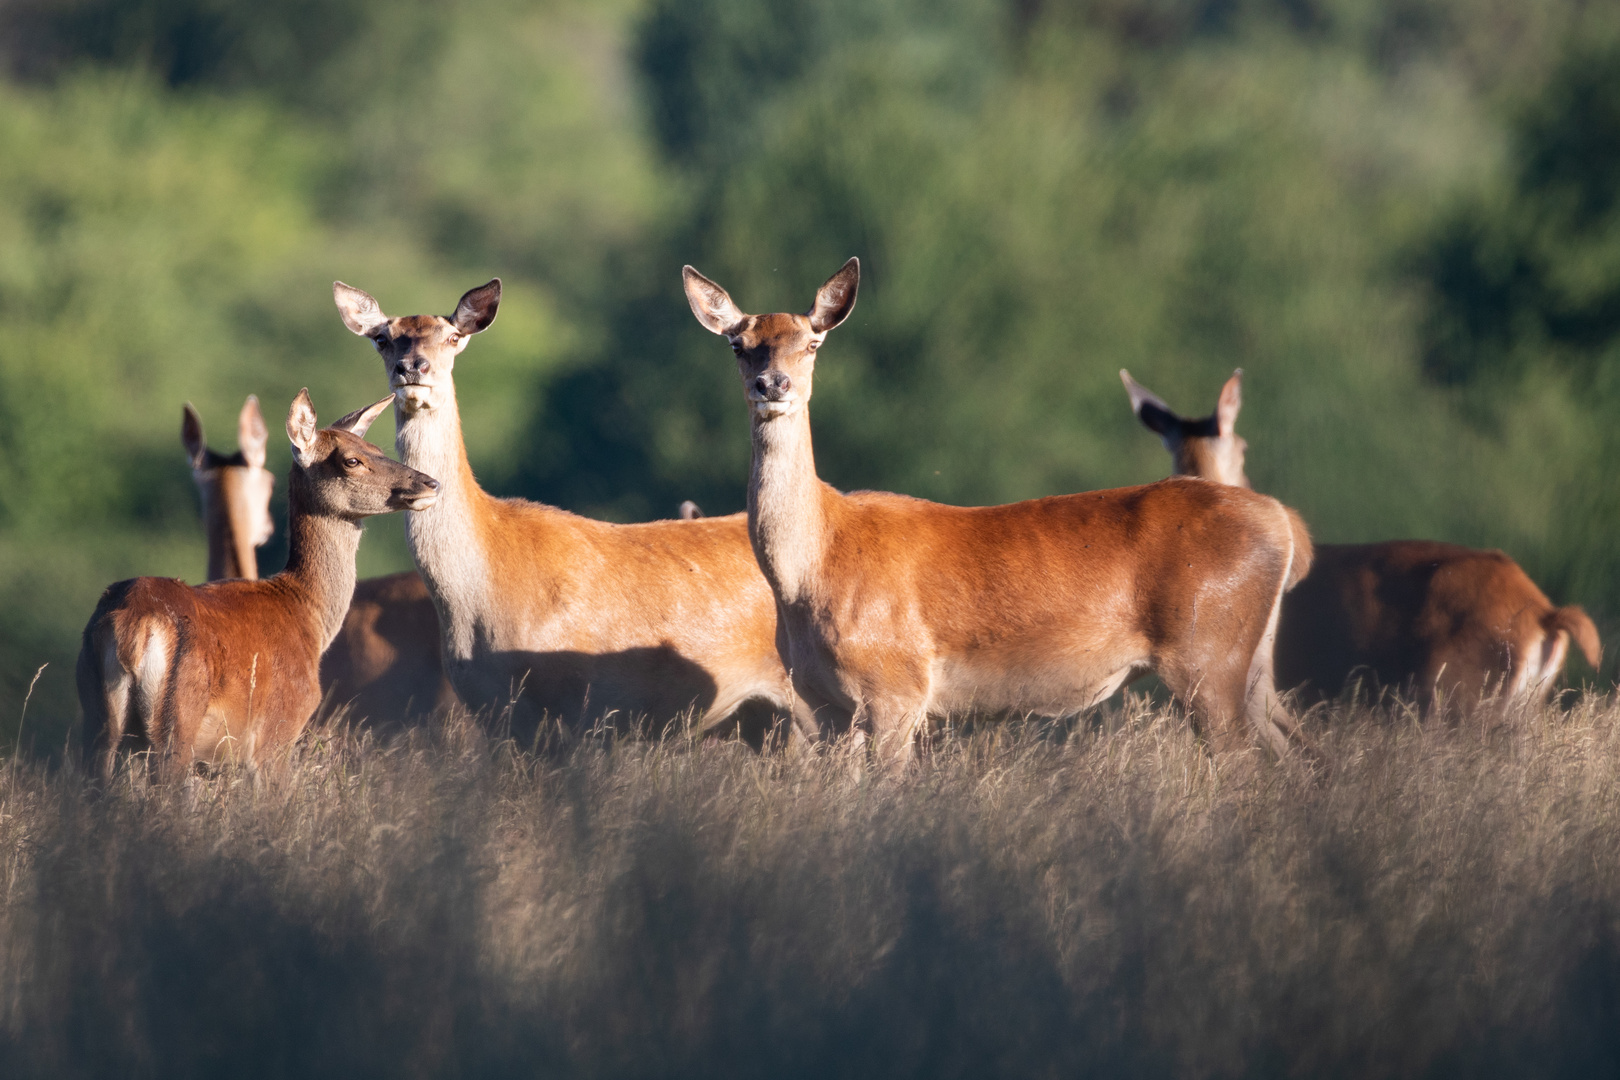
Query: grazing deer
1413	613
544	613
230	670
235	492
895	610
384	662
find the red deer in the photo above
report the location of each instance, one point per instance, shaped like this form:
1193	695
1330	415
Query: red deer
229	671
546	615
896	610
1414	614
235	492
384	662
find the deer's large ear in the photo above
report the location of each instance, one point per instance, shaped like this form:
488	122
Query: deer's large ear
251	434
360	312
1153	412
302	428
476	309
1226	410
711	304
357	422
191	436
836	299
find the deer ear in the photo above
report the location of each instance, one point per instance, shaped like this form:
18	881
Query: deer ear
1226	410
711	304
690	511
251	434
836	299
302	428
360	312
1153	412
357	422
191	435
476	309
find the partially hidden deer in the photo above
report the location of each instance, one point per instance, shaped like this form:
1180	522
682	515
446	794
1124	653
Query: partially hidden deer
235	491
229	670
546	616
384	663
896	610
1416	615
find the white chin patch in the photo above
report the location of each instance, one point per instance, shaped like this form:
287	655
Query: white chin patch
414	398
423	503
767	409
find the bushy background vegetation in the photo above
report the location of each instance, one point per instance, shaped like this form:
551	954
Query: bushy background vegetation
1399	216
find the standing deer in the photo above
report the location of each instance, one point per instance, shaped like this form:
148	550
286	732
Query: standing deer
230	670
895	610
1418	614
545	614
384	662
235	492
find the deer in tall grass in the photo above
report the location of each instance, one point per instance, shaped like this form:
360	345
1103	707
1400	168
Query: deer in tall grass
1421	615
895	610
547	616
384	662
229	671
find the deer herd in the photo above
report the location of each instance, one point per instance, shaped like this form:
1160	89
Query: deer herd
817	614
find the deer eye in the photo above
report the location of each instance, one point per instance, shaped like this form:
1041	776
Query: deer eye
352	462
737	348
379	341
455	339
813	346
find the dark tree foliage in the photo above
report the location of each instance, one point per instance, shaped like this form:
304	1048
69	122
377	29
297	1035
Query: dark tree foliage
1543	269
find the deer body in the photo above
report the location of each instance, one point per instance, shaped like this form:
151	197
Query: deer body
230	670
895	609
1418	614
553	615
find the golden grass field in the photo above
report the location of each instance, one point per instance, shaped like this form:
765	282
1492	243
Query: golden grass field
1031	900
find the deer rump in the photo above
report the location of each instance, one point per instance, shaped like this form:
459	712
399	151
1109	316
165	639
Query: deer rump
1423	616
155	672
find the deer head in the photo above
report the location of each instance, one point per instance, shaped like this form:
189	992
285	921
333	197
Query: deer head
346	476
1209	448
419	351
776	354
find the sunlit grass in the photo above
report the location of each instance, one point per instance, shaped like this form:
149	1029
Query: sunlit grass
1030	900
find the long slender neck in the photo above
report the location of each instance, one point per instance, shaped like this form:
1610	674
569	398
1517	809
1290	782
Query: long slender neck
786	512
447	540
321	549
230	549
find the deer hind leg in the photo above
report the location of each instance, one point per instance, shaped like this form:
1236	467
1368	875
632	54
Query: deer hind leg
104	689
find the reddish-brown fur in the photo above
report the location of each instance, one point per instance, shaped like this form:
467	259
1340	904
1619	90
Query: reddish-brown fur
548	614
230	670
384	663
896	610
1411	614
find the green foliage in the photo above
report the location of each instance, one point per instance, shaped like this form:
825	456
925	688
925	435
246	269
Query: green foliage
1396	215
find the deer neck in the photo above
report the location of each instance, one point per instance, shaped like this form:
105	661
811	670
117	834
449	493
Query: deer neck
447	540
786	505
230	550
321	549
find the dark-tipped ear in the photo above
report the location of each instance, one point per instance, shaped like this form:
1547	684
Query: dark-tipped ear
191	436
251	434
476	309
711	304
836	299
690	511
1226	410
360	312
301	427
1149	408
357	422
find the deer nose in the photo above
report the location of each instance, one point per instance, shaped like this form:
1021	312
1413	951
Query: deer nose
430	483
773	385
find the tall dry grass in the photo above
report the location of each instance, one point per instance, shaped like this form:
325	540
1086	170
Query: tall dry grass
1031	901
